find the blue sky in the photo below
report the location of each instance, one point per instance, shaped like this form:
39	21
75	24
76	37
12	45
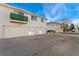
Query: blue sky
54	12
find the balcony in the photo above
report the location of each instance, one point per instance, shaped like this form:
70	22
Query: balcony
18	18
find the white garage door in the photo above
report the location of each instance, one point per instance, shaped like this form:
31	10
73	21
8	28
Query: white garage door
10	32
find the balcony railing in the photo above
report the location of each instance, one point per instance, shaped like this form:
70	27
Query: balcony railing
18	17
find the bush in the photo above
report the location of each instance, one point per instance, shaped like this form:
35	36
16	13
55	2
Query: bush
51	31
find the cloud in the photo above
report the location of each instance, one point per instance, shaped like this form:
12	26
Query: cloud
76	22
54	11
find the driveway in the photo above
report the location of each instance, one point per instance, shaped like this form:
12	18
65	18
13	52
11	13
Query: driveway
40	45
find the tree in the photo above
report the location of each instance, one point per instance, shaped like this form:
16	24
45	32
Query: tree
78	27
66	22
65	27
72	27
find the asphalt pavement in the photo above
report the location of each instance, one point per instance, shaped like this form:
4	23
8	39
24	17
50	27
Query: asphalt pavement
40	45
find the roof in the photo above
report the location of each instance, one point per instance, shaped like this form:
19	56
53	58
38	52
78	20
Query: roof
54	23
7	5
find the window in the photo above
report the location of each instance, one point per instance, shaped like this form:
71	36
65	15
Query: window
33	18
42	20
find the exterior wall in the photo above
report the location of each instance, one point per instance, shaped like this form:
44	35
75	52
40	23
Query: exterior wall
76	29
55	27
9	29
4	15
1	32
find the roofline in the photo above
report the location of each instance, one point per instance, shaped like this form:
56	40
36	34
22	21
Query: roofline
10	6
54	23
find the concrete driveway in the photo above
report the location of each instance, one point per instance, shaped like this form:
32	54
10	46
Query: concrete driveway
40	45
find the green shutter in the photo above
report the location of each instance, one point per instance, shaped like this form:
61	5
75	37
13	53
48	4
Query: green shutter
14	16
18	17
25	18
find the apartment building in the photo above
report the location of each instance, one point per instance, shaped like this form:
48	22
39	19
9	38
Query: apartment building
15	22
54	26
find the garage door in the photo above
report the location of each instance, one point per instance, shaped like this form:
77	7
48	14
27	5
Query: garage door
10	32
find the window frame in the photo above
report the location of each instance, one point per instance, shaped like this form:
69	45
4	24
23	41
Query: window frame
33	18
42	20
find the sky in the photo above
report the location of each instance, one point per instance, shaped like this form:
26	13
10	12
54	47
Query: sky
54	12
